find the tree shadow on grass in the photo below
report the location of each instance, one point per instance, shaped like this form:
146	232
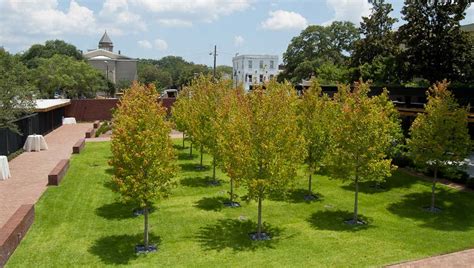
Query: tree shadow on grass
110	185
296	196
198	182
455	215
234	234
109	171
211	203
397	180
194	167
334	220
186	156
120	249
118	211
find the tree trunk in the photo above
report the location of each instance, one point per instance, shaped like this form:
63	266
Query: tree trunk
183	140
191	150
201	156
145	213
433	187
214	169
356	198
310	191
231	191
259	226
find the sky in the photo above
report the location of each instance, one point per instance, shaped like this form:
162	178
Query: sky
187	28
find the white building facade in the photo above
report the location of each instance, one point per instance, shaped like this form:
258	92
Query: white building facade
251	70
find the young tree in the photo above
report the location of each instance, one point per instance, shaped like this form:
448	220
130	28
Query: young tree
316	113
181	113
439	138
275	147
143	155
233	136
362	134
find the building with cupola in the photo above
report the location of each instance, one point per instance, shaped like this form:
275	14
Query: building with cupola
116	67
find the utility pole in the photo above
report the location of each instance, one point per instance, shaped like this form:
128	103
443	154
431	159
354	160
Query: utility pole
215	56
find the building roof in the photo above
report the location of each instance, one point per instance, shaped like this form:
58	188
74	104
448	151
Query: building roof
105	39
102	54
45	105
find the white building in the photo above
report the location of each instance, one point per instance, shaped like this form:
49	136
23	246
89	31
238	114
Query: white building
250	70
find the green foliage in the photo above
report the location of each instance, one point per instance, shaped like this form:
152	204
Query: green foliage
362	136
16	92
48	50
330	74
317	45
378	37
104	127
143	156
72	78
439	137
170	71
434	45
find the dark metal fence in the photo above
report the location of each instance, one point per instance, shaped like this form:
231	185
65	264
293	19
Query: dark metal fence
36	123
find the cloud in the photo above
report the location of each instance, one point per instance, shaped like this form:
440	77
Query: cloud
144	44
238	41
284	20
160	44
175	23
116	14
349	10
469	16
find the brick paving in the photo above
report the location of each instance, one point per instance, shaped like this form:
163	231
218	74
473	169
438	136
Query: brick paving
30	170
457	259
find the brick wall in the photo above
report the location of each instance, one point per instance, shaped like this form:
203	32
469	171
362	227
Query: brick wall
14	230
100	109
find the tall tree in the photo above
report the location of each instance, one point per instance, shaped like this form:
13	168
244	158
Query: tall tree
362	134
48	50
316	114
434	45
317	45
378	36
275	146
439	138
16	91
143	155
68	76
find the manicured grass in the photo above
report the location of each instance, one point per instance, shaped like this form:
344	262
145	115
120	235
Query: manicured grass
80	223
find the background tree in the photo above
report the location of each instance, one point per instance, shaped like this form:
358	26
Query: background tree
362	134
434	46
315	119
143	155
63	74
48	50
378	37
439	138
148	73
317	45
234	133
16	92
275	144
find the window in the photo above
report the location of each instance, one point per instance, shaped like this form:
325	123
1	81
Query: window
261	64
250	78
271	76
261	78
237	66
250	64
272	64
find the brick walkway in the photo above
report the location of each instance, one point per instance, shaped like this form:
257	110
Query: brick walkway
457	259
30	170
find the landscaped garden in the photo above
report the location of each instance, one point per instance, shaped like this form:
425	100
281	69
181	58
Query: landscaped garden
81	222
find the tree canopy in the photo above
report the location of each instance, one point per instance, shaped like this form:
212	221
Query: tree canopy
48	50
434	45
16	91
316	45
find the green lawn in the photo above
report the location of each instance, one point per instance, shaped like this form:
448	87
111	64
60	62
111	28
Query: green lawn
80	223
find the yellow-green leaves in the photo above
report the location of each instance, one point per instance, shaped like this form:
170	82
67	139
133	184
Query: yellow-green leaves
143	156
439	136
